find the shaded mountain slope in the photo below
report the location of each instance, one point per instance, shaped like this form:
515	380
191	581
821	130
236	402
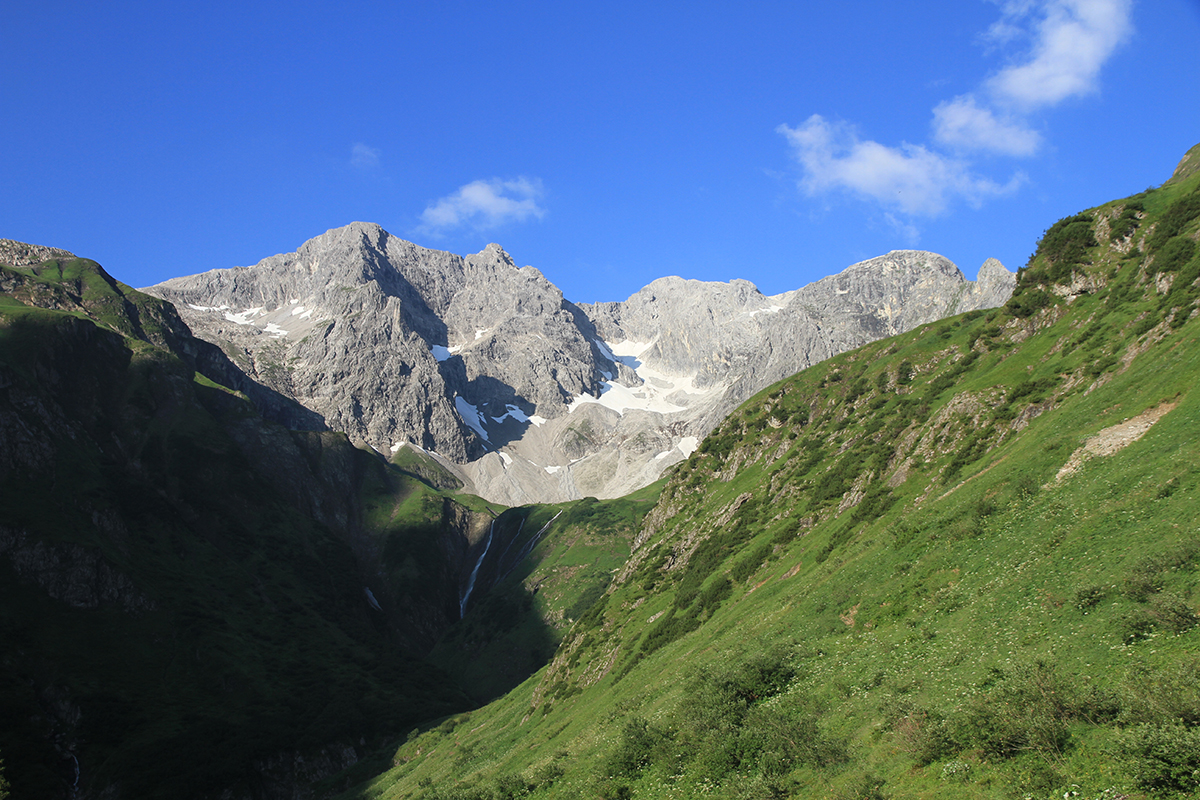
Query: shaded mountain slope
195	599
962	561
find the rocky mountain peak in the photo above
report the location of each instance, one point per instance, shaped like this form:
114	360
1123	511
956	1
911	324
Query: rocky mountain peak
20	254
525	395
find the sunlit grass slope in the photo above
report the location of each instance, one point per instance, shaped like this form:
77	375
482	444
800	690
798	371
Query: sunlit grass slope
962	562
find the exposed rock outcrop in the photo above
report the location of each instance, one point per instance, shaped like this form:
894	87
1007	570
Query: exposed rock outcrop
523	394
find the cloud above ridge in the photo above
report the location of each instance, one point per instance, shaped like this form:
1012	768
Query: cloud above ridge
1061	47
485	204
911	179
1072	39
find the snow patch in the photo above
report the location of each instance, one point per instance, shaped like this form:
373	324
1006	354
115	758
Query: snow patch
275	330
396	447
243	317
481	332
515	413
687	445
622	398
651	395
208	308
767	310
537	421
626	352
470	415
552	470
507	459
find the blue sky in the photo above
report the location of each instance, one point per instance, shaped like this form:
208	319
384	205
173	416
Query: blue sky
605	144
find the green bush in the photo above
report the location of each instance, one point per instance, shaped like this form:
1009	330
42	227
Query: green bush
1165	694
775	738
1173	613
1173	256
1064	245
1176	218
1089	596
1028	303
927	735
1027	708
1163	757
1126	223
639	745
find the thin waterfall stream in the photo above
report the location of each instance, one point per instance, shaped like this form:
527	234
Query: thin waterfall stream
462	604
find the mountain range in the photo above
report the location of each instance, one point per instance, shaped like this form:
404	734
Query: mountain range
957	560
522	394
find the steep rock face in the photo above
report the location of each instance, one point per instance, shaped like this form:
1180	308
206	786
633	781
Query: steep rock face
731	341
391	342
523	394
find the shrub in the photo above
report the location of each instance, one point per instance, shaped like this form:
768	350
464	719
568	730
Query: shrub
1166	694
1173	255
1065	244
749	564
1176	218
1173	613
777	737
1089	596
1126	223
1163	757
1027	708
1136	625
639	745
926	735
1028	303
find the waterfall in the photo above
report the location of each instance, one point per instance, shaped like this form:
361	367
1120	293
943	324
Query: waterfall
532	543
462	604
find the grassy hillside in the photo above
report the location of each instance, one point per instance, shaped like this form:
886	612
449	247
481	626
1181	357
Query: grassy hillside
560	561
182	582
197	600
961	562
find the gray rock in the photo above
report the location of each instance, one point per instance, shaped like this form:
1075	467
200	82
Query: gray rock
526	396
391	342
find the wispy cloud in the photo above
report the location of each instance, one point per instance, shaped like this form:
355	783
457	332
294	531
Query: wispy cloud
485	204
364	157
1071	41
911	179
1061	47
962	124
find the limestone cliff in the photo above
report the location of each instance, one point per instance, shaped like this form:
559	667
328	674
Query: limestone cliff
525	395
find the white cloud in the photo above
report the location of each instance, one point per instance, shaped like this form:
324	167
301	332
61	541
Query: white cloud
911	178
962	124
363	157
485	204
1071	40
1063	45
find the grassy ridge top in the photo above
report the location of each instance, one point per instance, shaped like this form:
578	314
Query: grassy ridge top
963	561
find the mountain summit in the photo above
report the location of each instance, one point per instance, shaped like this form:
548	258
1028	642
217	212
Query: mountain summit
526	396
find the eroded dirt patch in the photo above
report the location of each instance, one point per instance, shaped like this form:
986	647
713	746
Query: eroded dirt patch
1112	439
